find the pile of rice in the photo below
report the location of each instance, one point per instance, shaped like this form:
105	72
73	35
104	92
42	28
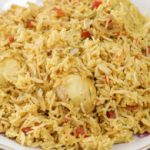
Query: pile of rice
74	75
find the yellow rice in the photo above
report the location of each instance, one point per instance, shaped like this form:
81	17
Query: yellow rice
54	82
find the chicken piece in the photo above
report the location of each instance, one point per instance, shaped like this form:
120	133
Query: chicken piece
80	90
8	70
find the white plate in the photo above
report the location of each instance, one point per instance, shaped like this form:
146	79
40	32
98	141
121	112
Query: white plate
136	144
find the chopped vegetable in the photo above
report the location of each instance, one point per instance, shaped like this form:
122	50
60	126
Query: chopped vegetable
11	39
148	51
29	24
59	12
80	132
96	4
132	107
85	34
145	134
111	114
117	34
26	130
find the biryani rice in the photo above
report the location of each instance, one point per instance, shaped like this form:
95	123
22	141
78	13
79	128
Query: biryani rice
74	74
